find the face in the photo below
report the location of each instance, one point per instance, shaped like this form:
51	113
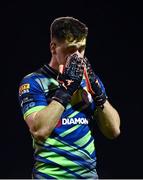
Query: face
61	50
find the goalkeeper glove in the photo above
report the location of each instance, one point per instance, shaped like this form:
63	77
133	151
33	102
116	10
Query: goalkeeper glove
70	79
93	84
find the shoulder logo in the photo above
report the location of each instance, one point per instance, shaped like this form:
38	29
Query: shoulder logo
24	88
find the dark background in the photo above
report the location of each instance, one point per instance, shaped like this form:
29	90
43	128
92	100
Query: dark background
114	48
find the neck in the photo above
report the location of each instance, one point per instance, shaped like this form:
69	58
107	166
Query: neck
53	63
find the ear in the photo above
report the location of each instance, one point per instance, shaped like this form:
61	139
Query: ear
53	47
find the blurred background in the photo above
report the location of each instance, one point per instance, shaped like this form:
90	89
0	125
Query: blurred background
114	47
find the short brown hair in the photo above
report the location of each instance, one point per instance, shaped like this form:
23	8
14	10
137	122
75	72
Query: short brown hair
68	28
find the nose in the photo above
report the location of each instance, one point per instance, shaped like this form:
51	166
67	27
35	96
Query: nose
80	54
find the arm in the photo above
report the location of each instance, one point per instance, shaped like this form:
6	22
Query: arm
107	117
108	120
42	123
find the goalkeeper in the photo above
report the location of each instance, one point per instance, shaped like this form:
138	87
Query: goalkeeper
58	102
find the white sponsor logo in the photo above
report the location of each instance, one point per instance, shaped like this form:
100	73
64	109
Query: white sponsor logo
66	121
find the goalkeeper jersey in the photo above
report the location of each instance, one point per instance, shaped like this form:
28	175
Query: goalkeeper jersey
69	152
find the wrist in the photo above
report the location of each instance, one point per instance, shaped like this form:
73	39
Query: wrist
100	100
62	97
57	104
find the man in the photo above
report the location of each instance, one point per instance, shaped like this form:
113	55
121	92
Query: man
59	100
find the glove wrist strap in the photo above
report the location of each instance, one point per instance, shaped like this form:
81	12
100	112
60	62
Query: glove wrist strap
62	97
100	100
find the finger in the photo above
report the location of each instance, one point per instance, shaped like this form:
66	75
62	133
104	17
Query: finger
61	68
89	88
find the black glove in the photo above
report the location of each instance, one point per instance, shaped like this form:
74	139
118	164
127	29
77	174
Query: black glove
93	85
70	79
